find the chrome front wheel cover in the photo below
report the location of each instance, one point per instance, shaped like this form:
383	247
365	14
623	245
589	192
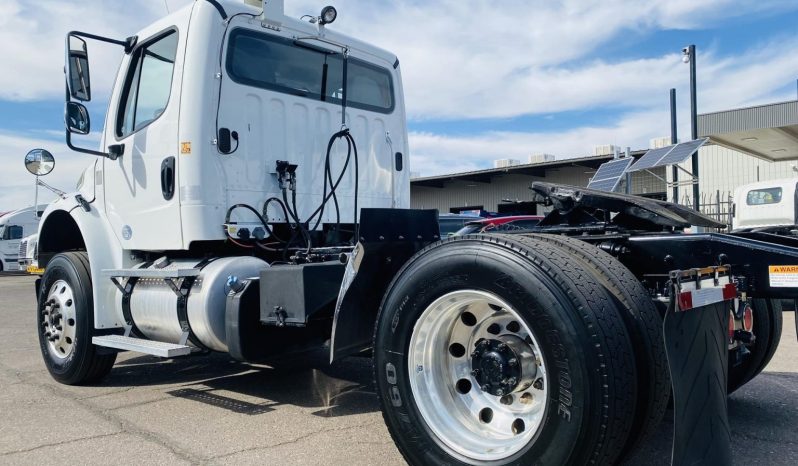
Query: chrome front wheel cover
477	375
59	324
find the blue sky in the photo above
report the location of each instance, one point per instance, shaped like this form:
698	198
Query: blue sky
483	79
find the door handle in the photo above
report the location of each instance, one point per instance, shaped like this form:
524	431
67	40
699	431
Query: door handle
168	178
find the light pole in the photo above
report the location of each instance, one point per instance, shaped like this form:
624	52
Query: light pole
674	140
688	56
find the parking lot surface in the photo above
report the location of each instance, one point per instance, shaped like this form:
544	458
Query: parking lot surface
211	410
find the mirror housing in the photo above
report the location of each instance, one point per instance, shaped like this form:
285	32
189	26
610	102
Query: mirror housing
76	118
39	162
78	77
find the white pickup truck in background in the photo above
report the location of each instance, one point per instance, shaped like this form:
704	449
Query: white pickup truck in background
766	205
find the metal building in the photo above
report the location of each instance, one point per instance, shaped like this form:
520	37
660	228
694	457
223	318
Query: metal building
745	145
502	189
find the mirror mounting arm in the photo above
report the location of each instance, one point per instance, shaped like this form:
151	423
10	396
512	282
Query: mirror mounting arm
87	151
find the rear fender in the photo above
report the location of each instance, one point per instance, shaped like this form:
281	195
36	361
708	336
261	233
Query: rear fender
388	239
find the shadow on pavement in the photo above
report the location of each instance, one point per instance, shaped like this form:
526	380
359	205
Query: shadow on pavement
341	389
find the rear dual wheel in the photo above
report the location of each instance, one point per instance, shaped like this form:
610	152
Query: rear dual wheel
503	350
768	321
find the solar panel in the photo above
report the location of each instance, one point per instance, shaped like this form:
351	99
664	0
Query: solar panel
650	158
670	155
607	185
681	152
609	174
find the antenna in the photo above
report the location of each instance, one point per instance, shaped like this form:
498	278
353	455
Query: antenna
166	3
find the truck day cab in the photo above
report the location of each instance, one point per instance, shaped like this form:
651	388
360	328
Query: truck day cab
250	196
13	227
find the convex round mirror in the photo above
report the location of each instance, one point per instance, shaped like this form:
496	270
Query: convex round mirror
39	162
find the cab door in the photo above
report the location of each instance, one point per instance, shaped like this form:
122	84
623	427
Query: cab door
140	198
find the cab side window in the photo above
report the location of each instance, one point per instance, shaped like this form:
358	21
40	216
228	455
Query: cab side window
764	196
13	232
148	84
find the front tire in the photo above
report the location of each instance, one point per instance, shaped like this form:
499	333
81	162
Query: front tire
441	316
65	317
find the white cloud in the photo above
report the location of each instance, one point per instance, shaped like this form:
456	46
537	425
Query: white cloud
480	59
32	36
460	60
17	185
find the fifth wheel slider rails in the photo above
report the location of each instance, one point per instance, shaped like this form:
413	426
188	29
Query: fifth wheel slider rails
250	195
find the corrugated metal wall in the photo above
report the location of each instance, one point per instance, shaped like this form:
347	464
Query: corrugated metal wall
765	116
723	170
515	187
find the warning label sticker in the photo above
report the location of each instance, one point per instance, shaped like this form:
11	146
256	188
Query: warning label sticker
783	276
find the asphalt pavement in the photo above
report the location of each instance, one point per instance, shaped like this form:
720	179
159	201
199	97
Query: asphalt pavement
211	410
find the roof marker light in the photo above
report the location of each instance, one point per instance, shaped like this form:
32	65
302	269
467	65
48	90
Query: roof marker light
328	15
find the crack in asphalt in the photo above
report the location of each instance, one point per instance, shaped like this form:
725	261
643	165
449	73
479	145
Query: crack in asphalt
763	439
292	441
56	444
123	425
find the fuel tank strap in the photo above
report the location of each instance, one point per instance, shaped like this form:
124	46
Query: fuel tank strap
182	291
127	292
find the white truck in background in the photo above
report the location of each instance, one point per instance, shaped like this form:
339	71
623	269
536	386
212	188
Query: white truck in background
13	227
28	248
766	206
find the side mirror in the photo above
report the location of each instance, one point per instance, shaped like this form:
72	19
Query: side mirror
78	79
76	118
39	162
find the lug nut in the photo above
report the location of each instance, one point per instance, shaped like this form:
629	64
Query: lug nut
499	392
475	373
538	384
485	388
512	362
512	381
501	347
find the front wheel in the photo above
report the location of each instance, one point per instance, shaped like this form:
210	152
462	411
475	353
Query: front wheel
66	322
503	350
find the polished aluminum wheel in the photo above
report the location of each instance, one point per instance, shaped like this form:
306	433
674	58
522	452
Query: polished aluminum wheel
477	375
58	319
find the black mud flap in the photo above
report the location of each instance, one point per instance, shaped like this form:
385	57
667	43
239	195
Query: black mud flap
696	345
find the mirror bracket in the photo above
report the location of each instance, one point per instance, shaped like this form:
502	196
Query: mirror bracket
115	151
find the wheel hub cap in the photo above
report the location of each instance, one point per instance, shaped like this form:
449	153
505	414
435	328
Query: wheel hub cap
58	319
495	367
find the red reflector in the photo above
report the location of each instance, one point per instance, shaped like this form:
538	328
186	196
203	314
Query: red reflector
729	291
731	326
685	300
748	318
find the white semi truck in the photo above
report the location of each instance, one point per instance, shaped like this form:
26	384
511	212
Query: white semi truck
13	227
250	196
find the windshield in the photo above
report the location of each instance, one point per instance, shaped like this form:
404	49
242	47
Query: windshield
299	68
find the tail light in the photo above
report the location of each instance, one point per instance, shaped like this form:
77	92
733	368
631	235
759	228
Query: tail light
731	326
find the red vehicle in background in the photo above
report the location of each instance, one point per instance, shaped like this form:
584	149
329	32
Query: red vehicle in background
498	224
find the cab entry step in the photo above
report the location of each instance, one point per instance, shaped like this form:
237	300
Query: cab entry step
155	348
